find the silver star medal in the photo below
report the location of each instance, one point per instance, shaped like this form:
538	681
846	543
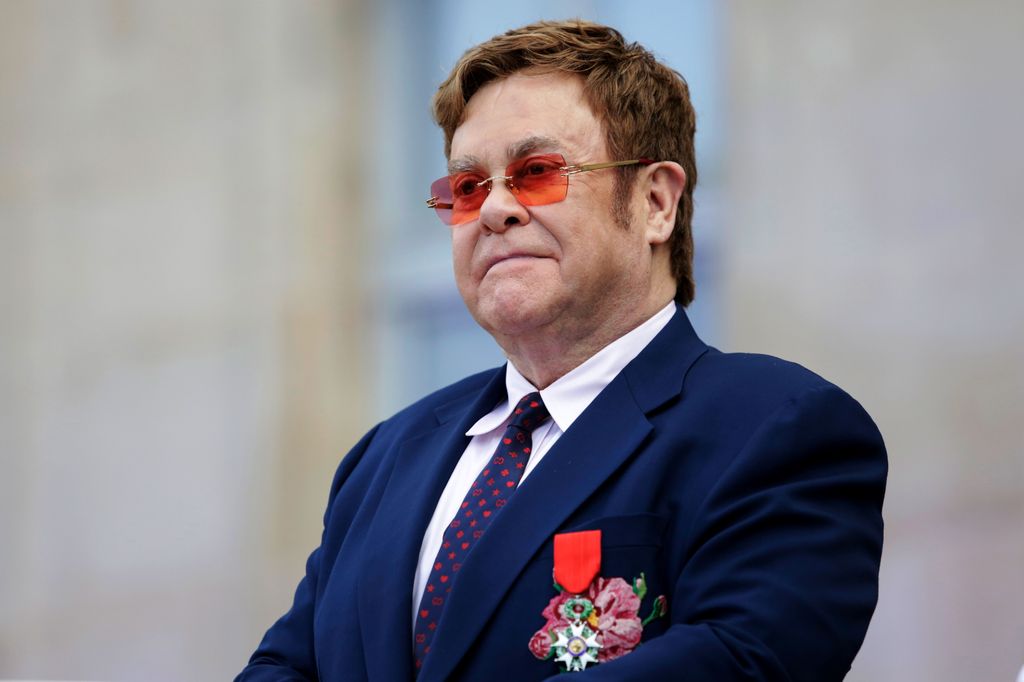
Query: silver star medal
576	646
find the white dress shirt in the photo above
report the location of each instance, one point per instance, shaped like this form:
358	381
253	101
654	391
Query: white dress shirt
565	399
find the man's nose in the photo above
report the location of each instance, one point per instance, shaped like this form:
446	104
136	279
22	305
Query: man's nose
501	210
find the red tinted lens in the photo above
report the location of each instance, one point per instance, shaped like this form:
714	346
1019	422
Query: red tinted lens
459	197
539	180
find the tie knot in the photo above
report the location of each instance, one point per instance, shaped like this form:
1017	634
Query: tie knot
530	412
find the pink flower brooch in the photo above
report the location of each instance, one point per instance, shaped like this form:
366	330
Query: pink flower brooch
592	619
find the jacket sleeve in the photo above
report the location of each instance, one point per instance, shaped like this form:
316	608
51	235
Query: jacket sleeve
286	652
781	574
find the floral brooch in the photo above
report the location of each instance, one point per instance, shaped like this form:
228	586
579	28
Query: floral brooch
592	619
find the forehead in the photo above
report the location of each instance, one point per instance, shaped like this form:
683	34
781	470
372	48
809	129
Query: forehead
527	112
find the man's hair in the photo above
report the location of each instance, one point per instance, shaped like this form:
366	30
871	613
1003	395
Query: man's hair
643	105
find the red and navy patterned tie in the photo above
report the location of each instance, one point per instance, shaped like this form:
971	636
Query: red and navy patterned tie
488	494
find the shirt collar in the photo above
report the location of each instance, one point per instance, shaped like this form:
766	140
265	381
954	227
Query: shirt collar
567	397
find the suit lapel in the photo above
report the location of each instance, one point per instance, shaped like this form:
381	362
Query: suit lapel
422	467
601	440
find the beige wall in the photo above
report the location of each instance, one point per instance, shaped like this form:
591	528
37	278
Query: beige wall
179	312
875	236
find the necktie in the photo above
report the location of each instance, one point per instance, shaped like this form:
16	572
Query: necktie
488	494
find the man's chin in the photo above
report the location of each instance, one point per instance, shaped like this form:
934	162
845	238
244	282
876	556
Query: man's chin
514	316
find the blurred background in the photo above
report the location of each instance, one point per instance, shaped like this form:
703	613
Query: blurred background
217	272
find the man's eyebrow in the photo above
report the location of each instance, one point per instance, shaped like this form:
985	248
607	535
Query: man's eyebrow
516	150
463	164
530	145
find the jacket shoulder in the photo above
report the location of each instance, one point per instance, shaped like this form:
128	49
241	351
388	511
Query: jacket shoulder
451	395
424	414
752	380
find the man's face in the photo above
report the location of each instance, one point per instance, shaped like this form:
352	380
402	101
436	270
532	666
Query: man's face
561	270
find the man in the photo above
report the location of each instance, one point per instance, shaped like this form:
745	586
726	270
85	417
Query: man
619	500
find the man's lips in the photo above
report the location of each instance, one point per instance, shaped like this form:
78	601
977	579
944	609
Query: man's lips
508	257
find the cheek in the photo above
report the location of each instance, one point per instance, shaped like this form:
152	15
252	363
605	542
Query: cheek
602	259
462	261
586	257
462	253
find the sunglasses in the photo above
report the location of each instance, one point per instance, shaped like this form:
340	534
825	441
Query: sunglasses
533	181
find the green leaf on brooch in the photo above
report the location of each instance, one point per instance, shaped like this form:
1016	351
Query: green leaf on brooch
659	609
640	586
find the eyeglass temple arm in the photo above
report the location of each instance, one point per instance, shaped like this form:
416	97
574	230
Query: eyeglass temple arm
583	168
435	202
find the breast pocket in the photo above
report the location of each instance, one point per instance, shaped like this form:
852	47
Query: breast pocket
630	546
632	563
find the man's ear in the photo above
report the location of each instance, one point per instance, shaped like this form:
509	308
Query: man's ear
664	185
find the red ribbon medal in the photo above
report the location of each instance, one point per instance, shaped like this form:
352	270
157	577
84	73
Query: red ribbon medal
577	559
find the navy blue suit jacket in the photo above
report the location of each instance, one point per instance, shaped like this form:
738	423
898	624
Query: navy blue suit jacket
746	489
